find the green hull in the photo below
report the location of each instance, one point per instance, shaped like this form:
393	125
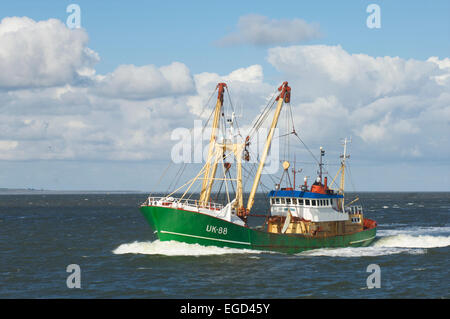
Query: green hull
197	228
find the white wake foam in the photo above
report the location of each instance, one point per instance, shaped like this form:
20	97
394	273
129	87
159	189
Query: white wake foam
413	240
174	248
409	241
414	231
360	251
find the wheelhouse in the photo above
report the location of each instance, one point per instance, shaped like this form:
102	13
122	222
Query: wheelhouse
306	205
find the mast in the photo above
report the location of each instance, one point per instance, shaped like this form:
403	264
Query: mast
294	172
210	173
322	153
344	156
284	96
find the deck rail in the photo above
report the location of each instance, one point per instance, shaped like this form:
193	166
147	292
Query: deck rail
179	202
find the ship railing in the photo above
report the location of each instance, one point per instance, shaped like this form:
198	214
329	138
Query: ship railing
181	202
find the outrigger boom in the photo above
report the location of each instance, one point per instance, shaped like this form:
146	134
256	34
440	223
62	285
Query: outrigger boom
285	96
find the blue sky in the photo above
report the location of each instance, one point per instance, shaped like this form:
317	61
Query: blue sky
137	39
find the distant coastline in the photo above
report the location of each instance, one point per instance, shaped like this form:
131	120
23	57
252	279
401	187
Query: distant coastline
33	191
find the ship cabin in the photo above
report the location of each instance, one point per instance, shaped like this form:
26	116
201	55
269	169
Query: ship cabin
317	204
309	210
307	205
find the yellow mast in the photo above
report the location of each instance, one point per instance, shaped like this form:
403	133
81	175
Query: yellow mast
236	149
283	97
210	173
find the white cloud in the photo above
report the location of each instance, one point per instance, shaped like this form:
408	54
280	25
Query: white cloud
6	145
398	108
261	31
78	123
146	82
54	106
247	87
44	53
394	108
332	69
444	65
251	74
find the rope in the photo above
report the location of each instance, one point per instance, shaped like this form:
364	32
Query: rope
263	115
184	166
232	108
295	133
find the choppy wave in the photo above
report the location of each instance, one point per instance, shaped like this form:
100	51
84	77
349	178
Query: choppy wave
174	248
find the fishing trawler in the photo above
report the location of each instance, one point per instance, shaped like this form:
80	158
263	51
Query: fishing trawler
299	218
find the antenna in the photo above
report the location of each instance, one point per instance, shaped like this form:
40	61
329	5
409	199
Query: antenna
295	171
322	154
344	142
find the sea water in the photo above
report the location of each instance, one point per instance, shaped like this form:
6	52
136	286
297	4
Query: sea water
119	256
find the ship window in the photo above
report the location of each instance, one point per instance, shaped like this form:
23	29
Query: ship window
288	201
294	201
326	202
313	202
306	202
300	201
283	201
320	202
272	201
277	200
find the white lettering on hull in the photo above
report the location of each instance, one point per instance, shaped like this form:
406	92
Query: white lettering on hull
201	237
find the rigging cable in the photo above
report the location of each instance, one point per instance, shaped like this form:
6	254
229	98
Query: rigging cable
232	108
183	167
296	134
